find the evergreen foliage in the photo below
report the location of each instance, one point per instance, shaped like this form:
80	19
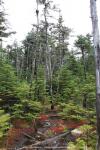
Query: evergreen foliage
26	109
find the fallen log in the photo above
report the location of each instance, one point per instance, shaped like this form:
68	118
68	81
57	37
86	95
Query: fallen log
50	140
28	136
47	141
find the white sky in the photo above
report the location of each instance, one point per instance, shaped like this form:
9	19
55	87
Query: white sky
76	14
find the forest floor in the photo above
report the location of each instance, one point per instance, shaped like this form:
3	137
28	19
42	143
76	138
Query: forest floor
51	133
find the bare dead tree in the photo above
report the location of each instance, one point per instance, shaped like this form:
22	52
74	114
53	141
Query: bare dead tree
96	41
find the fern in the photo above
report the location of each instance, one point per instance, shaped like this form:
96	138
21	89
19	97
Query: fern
4	123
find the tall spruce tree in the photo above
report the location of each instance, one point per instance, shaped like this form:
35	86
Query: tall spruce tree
83	43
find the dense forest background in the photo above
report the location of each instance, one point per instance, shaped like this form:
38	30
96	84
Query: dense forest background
44	69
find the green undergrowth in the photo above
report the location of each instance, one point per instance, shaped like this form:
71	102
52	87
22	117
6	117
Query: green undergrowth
76	112
86	142
27	109
4	123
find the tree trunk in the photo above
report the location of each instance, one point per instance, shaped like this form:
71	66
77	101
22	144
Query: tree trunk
46	45
97	63
83	61
84	70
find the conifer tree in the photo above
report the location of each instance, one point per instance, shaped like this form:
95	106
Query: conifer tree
4	33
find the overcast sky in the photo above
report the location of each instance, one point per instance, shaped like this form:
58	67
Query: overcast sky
76	14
